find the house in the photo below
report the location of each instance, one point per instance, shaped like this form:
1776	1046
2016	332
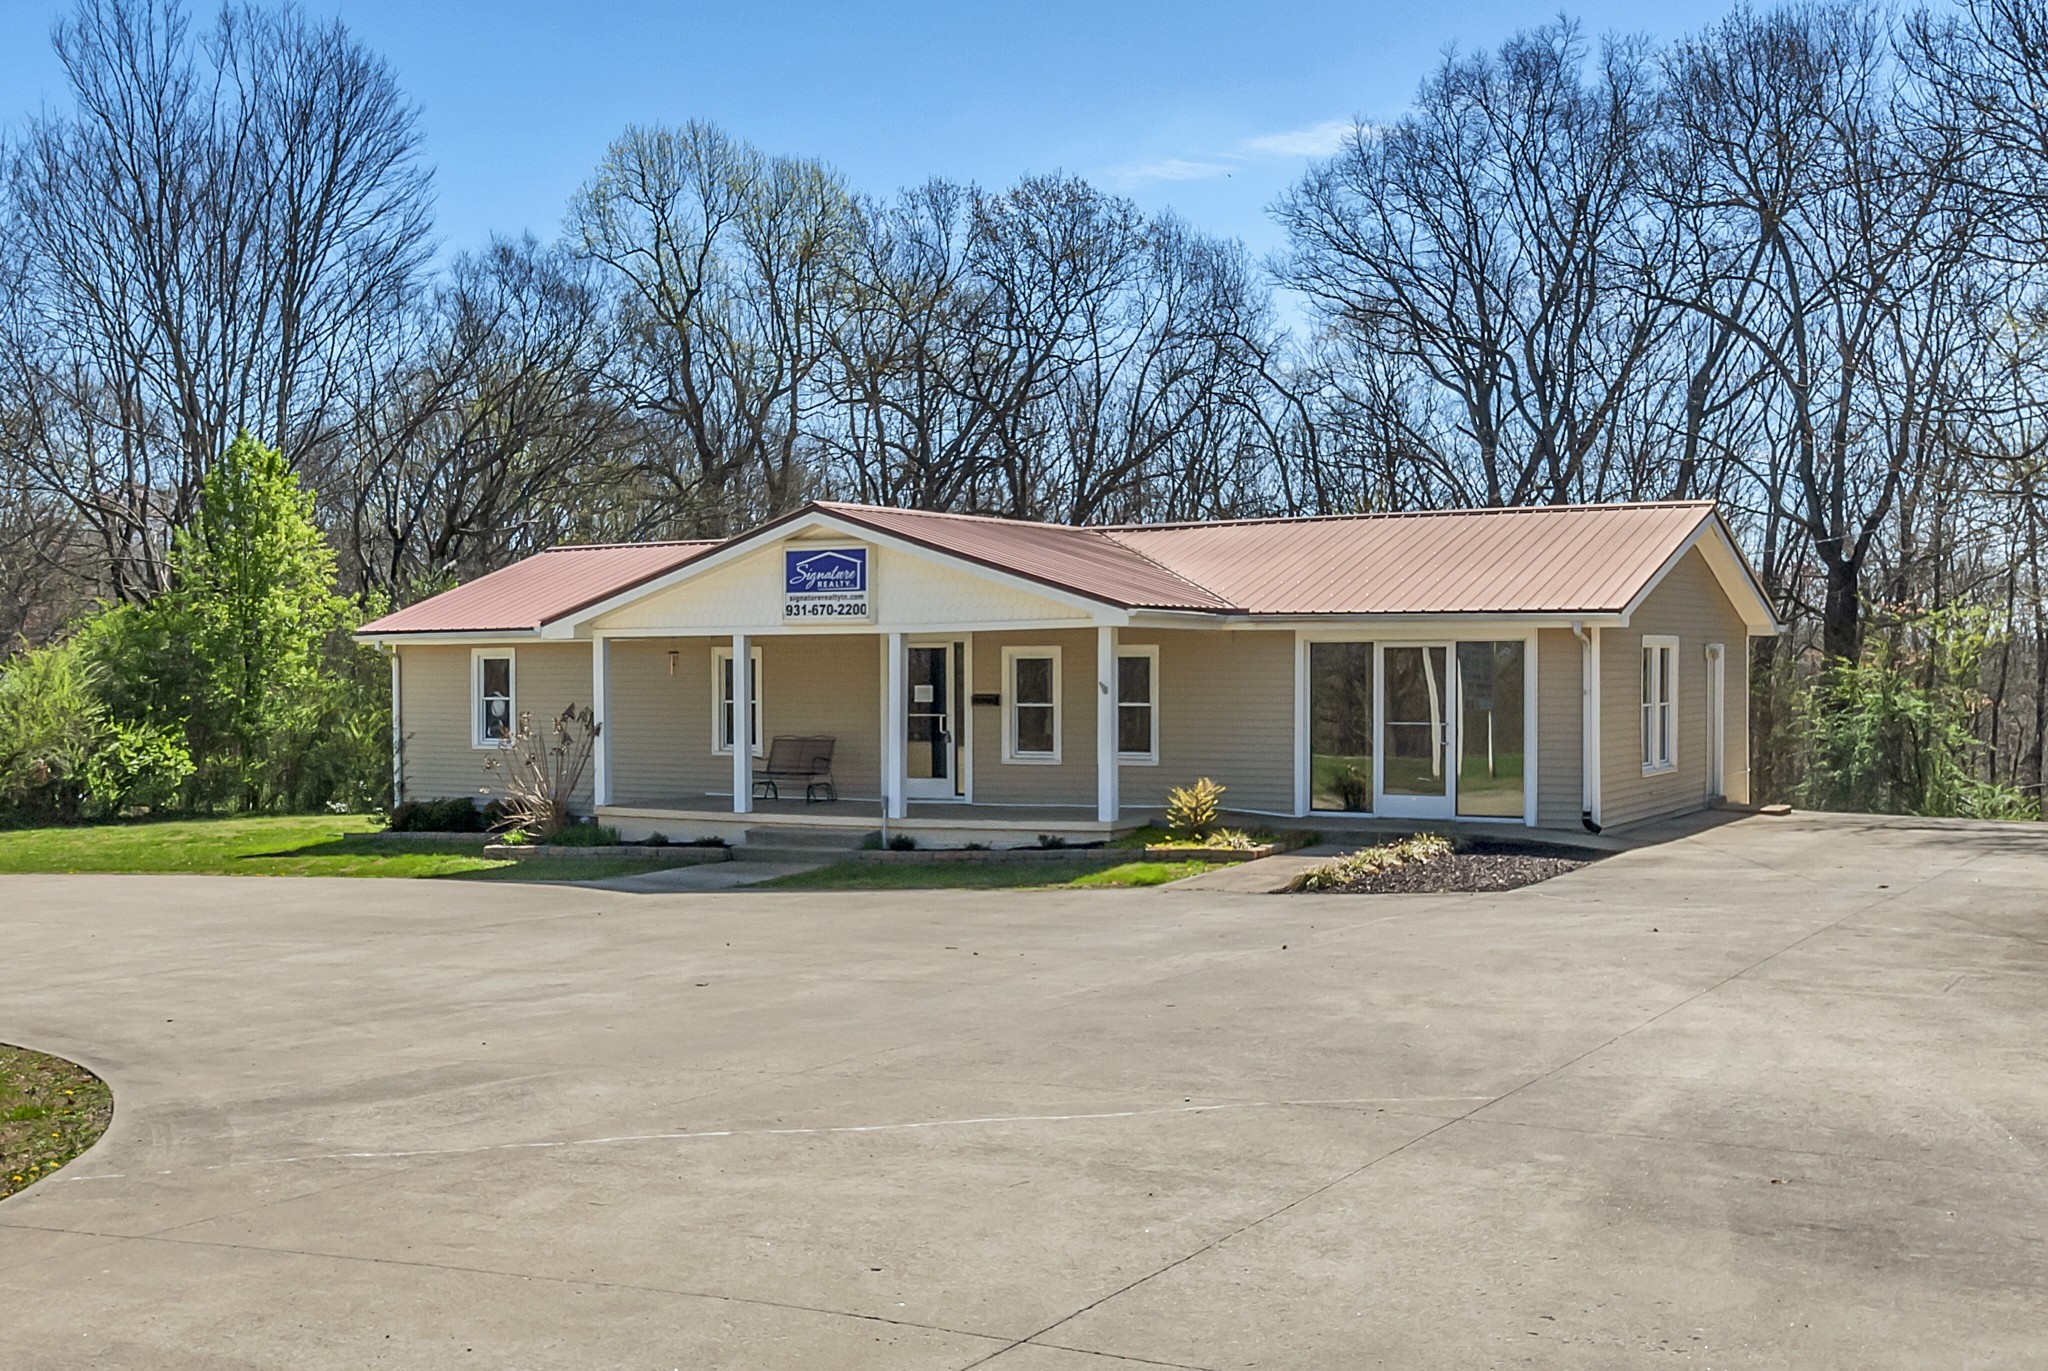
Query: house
994	680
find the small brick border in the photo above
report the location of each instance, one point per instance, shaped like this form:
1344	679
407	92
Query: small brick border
1078	856
454	839
676	853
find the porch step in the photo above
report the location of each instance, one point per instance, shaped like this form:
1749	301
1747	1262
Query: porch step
781	844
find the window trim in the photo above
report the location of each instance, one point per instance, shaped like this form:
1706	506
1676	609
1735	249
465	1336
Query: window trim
1666	644
477	655
721	746
1149	651
1011	756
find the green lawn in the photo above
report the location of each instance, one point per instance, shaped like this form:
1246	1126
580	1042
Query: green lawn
1047	875
279	845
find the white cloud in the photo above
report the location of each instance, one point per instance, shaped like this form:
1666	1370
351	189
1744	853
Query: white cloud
1317	140
1168	169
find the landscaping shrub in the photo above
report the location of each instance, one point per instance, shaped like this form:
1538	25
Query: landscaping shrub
138	768
541	770
902	842
583	835
1419	847
457	815
1194	811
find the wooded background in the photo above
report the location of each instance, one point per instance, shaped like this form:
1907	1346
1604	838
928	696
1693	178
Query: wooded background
1793	263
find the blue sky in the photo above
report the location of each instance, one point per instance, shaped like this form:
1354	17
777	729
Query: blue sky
1212	109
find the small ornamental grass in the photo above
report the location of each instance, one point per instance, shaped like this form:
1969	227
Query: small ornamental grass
1369	861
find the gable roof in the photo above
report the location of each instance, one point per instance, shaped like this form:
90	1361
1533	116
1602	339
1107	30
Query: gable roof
537	589
1552	559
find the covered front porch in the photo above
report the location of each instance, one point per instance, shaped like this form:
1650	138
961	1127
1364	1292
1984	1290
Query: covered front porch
929	823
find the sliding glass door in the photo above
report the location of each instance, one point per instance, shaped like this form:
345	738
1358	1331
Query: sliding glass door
1419	730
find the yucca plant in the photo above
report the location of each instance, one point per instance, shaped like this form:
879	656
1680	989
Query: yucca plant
1193	811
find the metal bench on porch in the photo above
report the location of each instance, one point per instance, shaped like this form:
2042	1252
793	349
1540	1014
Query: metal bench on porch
797	759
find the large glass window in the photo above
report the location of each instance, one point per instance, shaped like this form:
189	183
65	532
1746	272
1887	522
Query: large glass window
1137	707
1031	730
1340	725
1490	730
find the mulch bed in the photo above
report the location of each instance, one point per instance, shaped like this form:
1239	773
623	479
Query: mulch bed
1478	865
50	1111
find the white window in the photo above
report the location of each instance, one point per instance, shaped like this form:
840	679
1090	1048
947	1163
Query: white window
1031	723
722	696
493	703
1660	707
1137	705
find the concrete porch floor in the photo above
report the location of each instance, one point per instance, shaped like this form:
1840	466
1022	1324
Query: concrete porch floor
937	823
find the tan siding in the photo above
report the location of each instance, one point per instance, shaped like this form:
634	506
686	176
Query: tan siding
1226	711
661	722
1690	605
1560	719
439	758
1072	781
827	685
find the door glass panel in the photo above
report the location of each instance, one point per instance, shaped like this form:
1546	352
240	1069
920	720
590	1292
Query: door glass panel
1340	725
1490	730
930	750
1416	725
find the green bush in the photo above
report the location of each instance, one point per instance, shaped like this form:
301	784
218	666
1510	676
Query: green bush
138	767
51	722
584	835
457	815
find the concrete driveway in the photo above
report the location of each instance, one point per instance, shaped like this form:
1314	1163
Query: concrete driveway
1773	1095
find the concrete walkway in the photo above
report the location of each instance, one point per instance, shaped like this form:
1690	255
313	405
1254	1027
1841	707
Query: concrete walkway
1770	1095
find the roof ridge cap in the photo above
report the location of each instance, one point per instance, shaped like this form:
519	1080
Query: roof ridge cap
613	547
1402	514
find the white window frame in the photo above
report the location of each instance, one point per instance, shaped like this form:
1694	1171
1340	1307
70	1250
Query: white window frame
720	744
1149	651
1666	645
1011	656
477	656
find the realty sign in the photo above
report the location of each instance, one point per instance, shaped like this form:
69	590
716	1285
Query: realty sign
825	583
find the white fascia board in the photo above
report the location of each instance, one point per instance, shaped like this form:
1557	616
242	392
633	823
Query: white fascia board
1350	625
1737	579
1099	611
484	637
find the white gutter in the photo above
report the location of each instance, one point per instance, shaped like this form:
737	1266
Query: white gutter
1589	725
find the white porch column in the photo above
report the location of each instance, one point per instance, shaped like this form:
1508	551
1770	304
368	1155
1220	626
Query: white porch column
894	719
397	731
1107	801
742	724
601	711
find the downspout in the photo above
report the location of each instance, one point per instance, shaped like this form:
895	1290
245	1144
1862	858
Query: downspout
1589	725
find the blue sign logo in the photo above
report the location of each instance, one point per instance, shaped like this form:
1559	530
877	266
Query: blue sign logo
833	571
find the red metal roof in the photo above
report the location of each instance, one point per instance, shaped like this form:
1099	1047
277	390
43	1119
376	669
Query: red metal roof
1086	561
1578	559
1552	559
545	586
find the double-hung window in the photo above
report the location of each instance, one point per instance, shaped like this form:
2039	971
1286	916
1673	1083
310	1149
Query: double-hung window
491	697
1137	705
1031	722
1660	703
723	694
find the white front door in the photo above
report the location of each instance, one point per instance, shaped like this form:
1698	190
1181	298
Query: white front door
1413	773
932	752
